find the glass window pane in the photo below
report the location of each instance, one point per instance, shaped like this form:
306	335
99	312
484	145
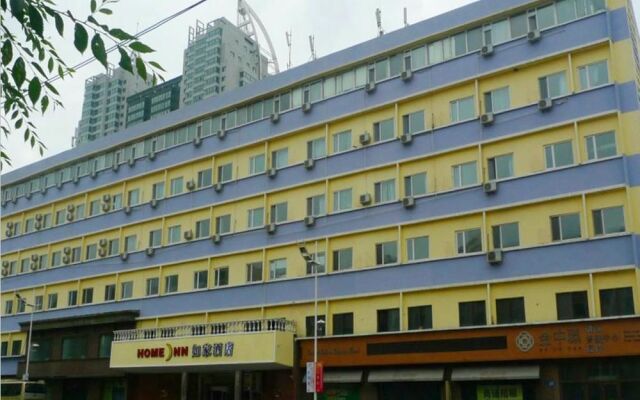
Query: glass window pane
570	226
395	65
474	39
460	43
563	154
518	25
418	58
605	144
546	16
613	219
435	52
500	31
566	10
382	69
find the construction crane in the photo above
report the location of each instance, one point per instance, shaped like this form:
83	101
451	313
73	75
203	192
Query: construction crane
247	20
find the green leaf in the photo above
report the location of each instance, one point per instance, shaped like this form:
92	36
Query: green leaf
141	68
7	52
51	88
35	88
141	47
35	20
156	65
39	69
125	60
44	103
18	123
106	11
59	24
50	64
120	34
98	50
17	9
81	38
18	72
93	6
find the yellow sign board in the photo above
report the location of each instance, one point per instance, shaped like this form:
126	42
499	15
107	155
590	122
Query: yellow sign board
499	392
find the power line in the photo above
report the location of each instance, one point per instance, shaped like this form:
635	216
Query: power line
138	35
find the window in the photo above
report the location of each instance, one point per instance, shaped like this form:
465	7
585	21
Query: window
256	164
104	346
225	172
472	313
617	301
52	301
500	167
133	197
418	248
255	217
572	305
94	208
205	178
316	148
518	25
155	238
343	324
386	253
389	320
420	317
601	145
342	259
342	200
415	185
16	347
558	154
21	306
92	251
310	321
200	279
72	298
221	276
608	220
464	174
5	349
278	268
280	158
174	234
342	141
510	311
76	254
176	186
316	206
318	264
87	295
74	348
383	130
79	213
223	224
413	123
385	191
505	235
126	290
254	272
158	190
593	75
8	307
497	100
116	202
554	85
279	212
171	283
152	286
469	241
61	216
110	292
130	243
202	228
565	227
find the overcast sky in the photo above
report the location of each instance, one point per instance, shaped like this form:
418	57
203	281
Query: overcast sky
336	24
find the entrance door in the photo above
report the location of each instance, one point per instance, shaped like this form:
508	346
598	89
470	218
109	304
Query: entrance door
219	393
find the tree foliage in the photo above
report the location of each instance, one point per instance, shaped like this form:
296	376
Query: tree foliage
31	64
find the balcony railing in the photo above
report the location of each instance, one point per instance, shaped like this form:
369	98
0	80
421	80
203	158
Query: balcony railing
216	328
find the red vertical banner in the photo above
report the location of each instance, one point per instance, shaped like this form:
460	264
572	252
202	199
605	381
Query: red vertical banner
319	378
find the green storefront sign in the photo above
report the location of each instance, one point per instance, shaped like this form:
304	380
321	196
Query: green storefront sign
499	392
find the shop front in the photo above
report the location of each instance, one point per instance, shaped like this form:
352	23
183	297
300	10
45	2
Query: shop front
595	360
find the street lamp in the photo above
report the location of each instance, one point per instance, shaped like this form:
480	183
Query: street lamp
25	376
311	260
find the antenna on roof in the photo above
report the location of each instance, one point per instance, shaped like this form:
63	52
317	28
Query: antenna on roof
379	22
406	22
312	47
288	35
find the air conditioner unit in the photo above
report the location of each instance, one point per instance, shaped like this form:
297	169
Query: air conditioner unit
487	119
545	104
131	161
271	228
150	251
106	198
221	134
490	187
69	217
309	220
494	257
309	163
486	50
5	272
34	257
37	225
33	266
70	207
8	233
5	264
197	141
306	107
272	172
93	174
152	155
106	207
365	138
115	167
27	195
275	117
191	185
103	242
365	199
188	235
216	238
218	187
102	252
10	225
371	86
406	75
38	217
406	138
127	210
66	260
534	35
67	250
124	256
408	202
153	203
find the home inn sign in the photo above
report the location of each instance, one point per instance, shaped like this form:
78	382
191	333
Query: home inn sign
197	350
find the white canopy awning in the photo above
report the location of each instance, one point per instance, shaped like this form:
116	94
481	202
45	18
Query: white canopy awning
499	373
351	376
406	375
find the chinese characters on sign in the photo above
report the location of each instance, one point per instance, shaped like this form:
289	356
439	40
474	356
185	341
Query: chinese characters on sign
499	392
212	350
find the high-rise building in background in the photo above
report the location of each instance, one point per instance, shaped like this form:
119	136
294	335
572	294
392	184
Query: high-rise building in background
156	100
220	57
104	105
